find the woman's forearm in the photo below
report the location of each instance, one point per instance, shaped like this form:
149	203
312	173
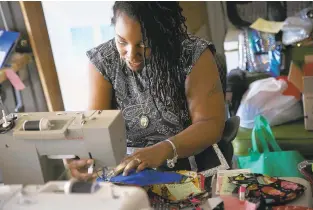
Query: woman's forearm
198	137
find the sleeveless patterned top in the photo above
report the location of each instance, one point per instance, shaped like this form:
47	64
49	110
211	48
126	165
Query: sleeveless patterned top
137	101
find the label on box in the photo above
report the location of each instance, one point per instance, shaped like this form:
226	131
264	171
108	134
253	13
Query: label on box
267	26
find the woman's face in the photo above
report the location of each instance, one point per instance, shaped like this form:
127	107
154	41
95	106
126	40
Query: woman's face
129	42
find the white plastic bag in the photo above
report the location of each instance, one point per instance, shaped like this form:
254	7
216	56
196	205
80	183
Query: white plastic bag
265	97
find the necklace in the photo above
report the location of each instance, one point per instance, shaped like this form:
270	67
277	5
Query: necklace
143	120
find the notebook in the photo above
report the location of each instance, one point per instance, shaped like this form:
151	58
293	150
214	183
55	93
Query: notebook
8	41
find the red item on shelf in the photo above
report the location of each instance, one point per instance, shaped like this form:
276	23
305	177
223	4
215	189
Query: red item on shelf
292	90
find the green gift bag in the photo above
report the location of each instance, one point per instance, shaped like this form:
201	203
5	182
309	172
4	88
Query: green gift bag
275	163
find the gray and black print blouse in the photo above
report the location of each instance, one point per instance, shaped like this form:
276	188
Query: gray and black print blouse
162	122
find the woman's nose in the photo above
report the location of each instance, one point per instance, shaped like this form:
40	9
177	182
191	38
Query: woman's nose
131	53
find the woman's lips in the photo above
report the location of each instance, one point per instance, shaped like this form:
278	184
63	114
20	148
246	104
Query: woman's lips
135	64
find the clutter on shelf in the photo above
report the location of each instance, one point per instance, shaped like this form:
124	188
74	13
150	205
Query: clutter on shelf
263	45
259	52
274	73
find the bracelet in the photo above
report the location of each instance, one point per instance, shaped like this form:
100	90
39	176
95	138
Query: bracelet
171	162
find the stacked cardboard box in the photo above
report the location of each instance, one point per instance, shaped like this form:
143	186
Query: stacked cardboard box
301	75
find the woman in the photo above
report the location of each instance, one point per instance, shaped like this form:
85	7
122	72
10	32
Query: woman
165	82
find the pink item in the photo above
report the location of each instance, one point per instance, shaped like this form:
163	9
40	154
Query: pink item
251	206
242	193
14	79
194	200
231	203
242	189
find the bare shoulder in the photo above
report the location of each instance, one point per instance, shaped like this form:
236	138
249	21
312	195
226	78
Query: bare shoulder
102	51
205	75
100	89
204	90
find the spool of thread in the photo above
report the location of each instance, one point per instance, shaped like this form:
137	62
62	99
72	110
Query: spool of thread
37	125
75	186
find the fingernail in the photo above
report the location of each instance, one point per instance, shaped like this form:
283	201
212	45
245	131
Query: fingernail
124	174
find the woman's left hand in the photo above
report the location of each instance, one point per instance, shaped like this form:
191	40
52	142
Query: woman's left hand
149	157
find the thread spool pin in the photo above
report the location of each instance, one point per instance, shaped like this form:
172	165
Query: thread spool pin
5	122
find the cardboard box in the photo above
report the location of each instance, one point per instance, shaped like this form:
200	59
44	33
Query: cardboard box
301	75
301	55
295	76
297	72
308	102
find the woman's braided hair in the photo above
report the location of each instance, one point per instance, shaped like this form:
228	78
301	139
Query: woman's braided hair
163	29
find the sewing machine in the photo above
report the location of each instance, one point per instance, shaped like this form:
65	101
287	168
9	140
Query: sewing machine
73	195
29	142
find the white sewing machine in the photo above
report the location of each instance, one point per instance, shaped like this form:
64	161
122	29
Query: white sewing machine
72	195
28	142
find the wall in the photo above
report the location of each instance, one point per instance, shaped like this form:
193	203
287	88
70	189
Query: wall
218	22
32	96
197	18
71	35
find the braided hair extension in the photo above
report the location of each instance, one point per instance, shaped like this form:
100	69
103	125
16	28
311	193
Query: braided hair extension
163	29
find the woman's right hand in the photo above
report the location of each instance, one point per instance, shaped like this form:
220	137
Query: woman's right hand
79	169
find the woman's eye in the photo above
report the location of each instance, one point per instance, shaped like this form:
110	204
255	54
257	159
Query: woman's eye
121	42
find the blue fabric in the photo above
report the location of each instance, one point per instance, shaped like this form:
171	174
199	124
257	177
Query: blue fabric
147	177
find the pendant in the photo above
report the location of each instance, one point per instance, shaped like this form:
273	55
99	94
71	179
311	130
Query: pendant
144	121
170	164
